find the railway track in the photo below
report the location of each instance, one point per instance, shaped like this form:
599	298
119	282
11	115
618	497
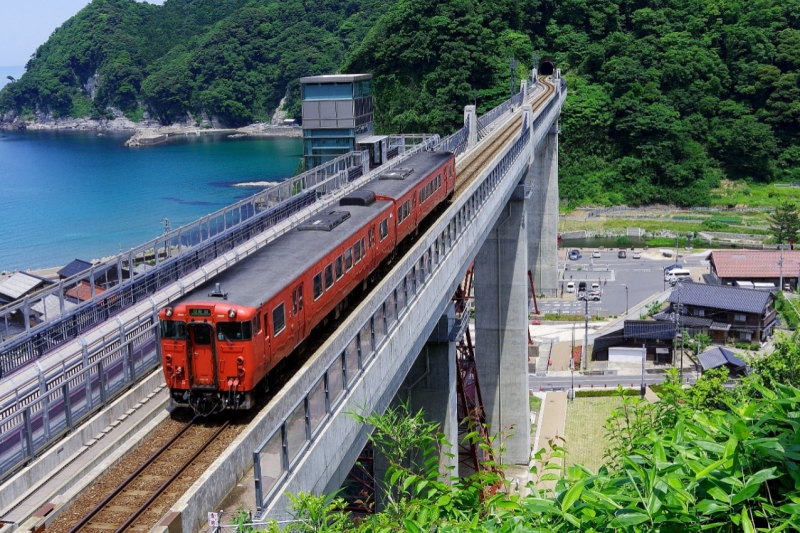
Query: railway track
137	503
120	510
471	168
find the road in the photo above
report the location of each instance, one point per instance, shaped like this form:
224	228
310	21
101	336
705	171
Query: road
643	278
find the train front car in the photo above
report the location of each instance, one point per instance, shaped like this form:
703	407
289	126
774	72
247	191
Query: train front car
207	355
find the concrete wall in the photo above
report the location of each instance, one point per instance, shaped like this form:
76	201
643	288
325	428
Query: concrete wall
542	180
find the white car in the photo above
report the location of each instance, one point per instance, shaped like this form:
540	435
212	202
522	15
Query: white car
595	286
571	286
637	255
596	254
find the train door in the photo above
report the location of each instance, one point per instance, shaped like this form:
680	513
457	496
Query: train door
297	315
202	356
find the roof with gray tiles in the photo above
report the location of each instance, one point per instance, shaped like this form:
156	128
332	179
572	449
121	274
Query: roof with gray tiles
720	297
717	356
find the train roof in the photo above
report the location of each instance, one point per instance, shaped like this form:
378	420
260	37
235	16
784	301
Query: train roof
268	271
397	182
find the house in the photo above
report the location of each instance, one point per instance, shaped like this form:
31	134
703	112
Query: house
717	356
83	292
104	275
745	267
20	284
624	345
722	312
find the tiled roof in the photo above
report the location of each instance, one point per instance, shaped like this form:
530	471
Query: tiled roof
51	306
754	264
75	267
83	291
720	297
716	357
649	329
685	320
19	284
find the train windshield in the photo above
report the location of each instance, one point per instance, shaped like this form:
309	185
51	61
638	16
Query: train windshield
234	331
173	329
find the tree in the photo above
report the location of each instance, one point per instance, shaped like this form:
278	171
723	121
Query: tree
784	223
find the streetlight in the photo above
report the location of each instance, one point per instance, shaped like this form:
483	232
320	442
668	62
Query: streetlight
572	371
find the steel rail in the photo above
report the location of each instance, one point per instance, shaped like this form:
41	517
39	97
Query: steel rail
142	508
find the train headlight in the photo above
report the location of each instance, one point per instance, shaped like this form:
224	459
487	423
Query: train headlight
168	311
169	369
241	372
232	313
168	358
240	361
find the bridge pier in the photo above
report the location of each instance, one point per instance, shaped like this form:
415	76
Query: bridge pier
542	180
501	329
430	386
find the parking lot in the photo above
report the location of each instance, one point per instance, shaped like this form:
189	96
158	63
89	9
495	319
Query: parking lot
623	282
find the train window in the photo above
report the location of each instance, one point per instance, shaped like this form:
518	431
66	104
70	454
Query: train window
294	302
348	259
400	211
201	335
328	276
173	329
257	323
371	236
278	319
317	286
234	331
421	197
383	228
339	267
357	249
300	297
266	325
364	247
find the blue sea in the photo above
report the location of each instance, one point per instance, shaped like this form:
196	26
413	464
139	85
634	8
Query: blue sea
68	195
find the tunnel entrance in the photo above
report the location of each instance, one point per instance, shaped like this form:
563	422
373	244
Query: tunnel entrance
546	67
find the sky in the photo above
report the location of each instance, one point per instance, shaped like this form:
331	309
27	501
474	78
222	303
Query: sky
28	23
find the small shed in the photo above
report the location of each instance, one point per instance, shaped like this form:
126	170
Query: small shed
20	284
717	356
75	267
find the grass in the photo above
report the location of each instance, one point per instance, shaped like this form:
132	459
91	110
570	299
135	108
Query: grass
655	225
536	407
741	193
584	436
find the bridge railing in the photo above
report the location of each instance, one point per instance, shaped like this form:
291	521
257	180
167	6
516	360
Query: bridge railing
277	456
61	406
486	120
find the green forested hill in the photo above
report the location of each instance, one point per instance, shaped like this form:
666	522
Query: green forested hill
231	59
666	96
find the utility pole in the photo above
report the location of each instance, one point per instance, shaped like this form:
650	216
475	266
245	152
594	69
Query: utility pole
644	355
677	240
584	354
780	264
165	220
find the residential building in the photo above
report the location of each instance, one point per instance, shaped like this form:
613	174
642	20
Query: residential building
717	356
337	115
744	267
624	345
722	312
20	284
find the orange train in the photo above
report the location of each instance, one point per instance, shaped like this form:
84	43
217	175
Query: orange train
219	342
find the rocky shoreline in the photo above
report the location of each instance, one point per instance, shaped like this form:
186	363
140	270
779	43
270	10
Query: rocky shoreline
146	132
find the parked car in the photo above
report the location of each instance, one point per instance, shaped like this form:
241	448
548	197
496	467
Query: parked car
595	286
678	274
670	268
593	296
637	255
596	254
571	286
582	286
621	254
574	255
